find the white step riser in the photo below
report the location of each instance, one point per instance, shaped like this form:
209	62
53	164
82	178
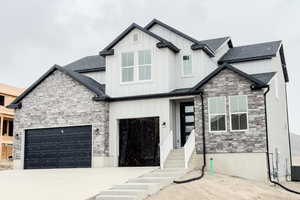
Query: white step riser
138	193
151	187
150	180
157	175
174	162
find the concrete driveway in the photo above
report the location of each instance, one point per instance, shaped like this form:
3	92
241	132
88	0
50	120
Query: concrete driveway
62	184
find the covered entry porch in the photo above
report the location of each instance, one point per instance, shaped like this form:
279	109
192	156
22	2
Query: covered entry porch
173	126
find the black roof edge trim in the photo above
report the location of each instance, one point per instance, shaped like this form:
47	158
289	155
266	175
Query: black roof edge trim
15	106
204	47
246	59
149	96
155	21
106	52
258	87
103	98
167	45
283	64
230	44
98	69
230	67
34	85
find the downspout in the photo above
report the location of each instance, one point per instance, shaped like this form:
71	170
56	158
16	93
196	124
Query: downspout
203	147
267	146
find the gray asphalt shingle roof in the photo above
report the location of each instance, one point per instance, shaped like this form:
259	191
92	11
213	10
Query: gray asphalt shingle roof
264	77
251	52
87	64
214	44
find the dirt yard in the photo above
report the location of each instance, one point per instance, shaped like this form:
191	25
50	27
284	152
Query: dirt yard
4	165
219	187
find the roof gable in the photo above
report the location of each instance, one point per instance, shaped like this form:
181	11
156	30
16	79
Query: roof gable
258	83
163	43
89	83
209	46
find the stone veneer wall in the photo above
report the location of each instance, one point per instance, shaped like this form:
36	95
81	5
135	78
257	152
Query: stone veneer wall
228	83
61	101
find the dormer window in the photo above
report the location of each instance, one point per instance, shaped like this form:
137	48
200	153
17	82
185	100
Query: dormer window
187	65
127	68
144	65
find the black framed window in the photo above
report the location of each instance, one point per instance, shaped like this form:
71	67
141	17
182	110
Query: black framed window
217	114
238	112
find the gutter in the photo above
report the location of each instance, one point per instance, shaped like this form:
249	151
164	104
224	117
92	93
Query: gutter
147	96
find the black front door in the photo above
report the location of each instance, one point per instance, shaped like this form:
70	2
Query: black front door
139	142
187	120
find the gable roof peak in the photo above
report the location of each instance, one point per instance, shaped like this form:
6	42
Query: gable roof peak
86	81
257	83
163	43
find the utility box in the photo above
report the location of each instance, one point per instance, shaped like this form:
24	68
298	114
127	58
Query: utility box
295	173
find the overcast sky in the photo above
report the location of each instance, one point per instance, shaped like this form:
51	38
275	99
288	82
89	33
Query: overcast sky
37	34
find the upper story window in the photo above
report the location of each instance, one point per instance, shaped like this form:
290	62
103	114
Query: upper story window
127	67
187	65
238	112
217	114
144	70
136	66
2	102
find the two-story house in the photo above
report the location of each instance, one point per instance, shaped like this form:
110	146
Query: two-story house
154	91
7	95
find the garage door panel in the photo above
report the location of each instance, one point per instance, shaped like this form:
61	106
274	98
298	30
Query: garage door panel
58	148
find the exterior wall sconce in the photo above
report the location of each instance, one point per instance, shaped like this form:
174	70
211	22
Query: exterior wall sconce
164	125
97	132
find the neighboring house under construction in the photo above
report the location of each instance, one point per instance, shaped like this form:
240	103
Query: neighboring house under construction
7	95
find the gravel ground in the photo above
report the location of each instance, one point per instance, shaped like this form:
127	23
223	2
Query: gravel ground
219	187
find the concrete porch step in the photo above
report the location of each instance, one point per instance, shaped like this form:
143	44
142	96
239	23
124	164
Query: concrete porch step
163	174
160	180
117	197
135	186
140	194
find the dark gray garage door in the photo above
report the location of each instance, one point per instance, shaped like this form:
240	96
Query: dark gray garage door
66	147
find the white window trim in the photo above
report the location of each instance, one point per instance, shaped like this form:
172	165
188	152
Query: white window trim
182	70
225	113
138	67
121	67
135	69
241	130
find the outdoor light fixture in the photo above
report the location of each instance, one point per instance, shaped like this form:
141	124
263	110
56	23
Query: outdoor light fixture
164	124
97	131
